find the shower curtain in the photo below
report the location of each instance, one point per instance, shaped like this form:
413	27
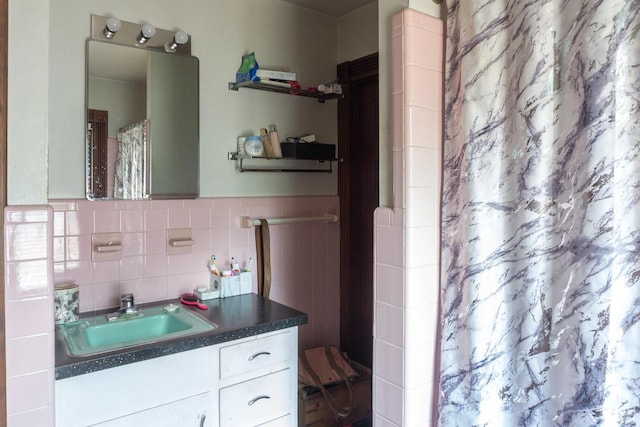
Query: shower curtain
540	297
130	178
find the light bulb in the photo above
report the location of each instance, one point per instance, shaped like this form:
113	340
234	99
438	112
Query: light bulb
112	27
180	37
146	33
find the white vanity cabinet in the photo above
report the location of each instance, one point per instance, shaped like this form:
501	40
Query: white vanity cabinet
259	380
247	382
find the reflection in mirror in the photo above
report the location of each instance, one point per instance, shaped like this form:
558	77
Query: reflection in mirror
142	123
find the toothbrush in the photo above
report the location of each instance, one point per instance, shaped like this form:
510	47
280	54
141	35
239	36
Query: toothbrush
249	264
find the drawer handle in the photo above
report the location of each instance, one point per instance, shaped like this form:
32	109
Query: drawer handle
262	353
255	399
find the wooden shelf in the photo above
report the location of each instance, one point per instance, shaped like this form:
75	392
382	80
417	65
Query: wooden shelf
321	97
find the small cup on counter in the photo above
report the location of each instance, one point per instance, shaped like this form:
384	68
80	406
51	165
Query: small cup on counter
67	302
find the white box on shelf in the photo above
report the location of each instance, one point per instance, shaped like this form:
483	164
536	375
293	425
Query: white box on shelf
275	75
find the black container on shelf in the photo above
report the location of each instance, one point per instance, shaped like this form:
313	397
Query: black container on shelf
308	150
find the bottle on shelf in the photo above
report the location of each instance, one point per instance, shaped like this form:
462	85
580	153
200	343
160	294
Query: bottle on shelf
266	143
274	137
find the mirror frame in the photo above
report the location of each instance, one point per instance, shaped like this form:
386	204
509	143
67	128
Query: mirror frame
126	37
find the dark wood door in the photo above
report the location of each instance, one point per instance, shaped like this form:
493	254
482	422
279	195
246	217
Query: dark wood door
358	190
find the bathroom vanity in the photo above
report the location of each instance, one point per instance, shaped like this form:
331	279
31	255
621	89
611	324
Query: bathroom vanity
242	373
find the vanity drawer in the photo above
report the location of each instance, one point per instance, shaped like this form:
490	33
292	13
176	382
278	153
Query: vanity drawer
256	401
255	354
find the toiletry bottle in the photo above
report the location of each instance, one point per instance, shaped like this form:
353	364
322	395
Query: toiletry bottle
275	141
266	142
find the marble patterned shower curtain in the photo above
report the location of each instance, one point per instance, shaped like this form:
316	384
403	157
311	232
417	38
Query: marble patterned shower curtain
541	214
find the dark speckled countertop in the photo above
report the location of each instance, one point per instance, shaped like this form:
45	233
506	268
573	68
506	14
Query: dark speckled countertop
237	317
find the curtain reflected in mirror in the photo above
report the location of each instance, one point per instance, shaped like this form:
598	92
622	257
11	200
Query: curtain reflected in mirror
130	175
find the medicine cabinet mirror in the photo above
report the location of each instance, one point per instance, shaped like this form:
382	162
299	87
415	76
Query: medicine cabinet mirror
142	123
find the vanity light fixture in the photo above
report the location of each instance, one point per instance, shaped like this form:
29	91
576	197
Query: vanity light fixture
180	37
112	27
146	33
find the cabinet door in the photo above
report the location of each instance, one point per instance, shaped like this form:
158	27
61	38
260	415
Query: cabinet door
256	401
190	412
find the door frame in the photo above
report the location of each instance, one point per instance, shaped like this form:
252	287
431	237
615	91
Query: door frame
4	43
351	71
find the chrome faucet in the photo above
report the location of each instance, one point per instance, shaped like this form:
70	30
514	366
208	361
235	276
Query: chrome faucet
127	309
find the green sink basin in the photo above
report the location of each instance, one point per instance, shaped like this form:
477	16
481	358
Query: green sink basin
97	335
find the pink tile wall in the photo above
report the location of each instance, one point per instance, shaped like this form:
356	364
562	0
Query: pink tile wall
407	237
29	315
46	245
304	276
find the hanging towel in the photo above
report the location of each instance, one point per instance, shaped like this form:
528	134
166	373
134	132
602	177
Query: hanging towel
263	255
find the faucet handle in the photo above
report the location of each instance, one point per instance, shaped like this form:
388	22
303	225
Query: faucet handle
127	300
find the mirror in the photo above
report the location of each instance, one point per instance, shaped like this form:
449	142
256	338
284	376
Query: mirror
142	123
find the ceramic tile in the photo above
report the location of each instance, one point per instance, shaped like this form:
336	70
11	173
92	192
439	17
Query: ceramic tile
420	328
132	221
26	392
179	264
87	297
58	249
106	295
178	284
59	225
418	406
178	217
106	221
421	87
24	214
26	241
29	354
387	400
389	284
156	220
418	46
43	416
381	216
380	421
431	23
79	271
389	324
423	166
135	287
200	217
133	244
422	206
389	362
419	366
422	127
131	268
29	317
156	265
155	242
422	246
27	279
422	288
389	246
156	288
78	248
107	271
78	222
